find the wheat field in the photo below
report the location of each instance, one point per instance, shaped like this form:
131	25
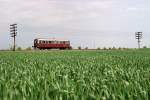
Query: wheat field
75	75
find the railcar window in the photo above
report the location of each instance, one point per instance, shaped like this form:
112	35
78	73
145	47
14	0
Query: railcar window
67	42
50	42
55	42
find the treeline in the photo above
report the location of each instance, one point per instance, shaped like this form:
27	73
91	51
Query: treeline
109	48
78	48
20	49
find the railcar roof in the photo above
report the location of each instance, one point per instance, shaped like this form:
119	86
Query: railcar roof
51	39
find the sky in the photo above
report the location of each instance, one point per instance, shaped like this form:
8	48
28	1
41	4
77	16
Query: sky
86	23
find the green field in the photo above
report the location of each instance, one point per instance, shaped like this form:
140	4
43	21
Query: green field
75	75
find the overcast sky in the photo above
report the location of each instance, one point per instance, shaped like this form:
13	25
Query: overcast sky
92	23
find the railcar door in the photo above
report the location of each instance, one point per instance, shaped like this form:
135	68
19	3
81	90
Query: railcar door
35	43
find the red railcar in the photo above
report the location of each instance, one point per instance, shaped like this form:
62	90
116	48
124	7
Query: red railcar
51	44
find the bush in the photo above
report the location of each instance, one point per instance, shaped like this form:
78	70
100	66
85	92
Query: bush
144	47
79	48
86	48
119	48
104	48
19	49
28	48
114	48
71	48
98	48
109	48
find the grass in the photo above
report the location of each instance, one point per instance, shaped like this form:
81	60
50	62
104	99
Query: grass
75	75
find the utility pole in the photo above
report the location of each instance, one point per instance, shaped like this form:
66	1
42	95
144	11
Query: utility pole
13	33
138	36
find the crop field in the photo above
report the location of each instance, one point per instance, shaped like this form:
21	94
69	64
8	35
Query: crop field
75	75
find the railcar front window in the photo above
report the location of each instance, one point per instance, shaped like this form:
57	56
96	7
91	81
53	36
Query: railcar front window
35	41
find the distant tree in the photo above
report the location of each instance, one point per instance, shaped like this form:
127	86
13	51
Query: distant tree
98	48
19	48
109	48
104	48
71	48
144	47
124	48
114	48
28	48
79	48
86	48
119	48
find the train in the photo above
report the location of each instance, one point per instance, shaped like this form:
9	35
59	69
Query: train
45	43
